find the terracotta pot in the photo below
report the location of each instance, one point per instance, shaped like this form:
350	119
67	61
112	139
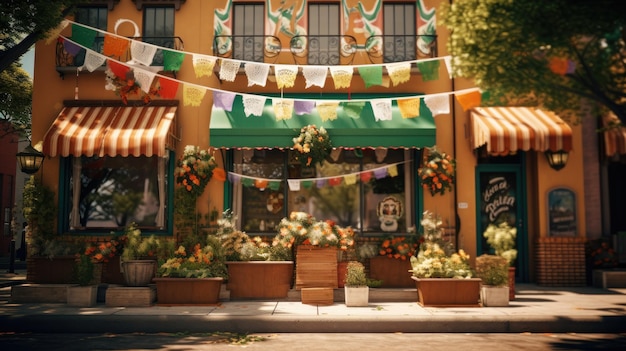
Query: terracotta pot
511	283
259	279
448	292
188	291
393	272
342	269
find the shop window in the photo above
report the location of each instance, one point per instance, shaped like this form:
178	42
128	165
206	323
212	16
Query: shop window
248	32
158	29
324	39
399	29
379	199
111	192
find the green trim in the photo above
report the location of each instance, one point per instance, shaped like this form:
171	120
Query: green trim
232	129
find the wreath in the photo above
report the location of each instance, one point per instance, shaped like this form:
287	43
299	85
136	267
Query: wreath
437	173
312	145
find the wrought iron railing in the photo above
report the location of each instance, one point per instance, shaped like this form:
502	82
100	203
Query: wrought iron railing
397	48
323	49
66	60
253	48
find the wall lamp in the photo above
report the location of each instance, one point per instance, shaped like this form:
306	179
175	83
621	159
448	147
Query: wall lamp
557	159
30	159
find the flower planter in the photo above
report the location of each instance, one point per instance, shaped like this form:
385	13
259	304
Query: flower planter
494	296
342	268
357	296
259	279
188	291
138	272
316	267
82	296
448	292
43	270
511	283
393	272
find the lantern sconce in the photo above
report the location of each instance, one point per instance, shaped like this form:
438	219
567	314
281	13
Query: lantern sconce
557	159
30	159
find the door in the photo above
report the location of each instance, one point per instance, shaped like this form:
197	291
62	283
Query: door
501	197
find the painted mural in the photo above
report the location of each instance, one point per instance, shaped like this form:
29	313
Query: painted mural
286	19
362	23
426	29
222	29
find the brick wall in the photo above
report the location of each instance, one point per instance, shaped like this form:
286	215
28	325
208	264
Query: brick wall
561	261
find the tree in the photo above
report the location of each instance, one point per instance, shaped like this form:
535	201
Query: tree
555	54
16	90
23	22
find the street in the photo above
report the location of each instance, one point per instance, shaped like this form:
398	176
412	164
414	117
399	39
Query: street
312	341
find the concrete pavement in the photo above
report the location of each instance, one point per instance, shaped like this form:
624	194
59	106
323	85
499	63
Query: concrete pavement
536	309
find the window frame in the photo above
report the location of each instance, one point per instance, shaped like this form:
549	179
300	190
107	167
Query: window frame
258	10
387	36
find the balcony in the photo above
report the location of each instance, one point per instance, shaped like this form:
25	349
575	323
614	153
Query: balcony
68	62
326	49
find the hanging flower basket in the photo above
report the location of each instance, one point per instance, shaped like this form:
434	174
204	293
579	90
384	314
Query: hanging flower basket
194	169
437	173
312	145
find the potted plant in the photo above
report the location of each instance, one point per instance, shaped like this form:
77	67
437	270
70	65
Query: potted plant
356	289
138	257
494	272
85	294
392	260
192	273
255	268
443	277
501	238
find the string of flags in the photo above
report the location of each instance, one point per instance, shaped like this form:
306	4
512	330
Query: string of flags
143	53
390	170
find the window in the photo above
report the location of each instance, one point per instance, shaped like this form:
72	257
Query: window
113	192
375	203
158	29
248	32
324	39
399	39
95	17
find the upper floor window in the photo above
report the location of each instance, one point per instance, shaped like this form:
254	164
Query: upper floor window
324	41
399	29
95	17
248	40
158	29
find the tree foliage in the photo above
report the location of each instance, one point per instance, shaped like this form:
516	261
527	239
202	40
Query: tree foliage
16	90
512	49
23	22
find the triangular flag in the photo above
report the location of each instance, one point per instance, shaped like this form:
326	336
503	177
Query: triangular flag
93	60
469	100
169	88
380	173
409	108
285	75
392	170
307	184
353	109
327	110
274	185
83	36
283	108
192	95
350	179
371	75
429	70
118	69
342	76
172	60
71	48
257	73
229	69
260	183
320	183
303	107
144	78
366	176
253	105
223	100
115	46
315	75
142	53
382	109
247	182
219	174
399	72
335	181
203	65
294	184
438	104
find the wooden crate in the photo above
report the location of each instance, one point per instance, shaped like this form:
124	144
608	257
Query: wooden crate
317	296
126	296
316	267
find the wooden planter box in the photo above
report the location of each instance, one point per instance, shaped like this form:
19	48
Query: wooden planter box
188	291
316	267
259	279
43	270
393	272
448	292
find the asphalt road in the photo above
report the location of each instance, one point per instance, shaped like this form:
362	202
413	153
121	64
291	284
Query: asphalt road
312	342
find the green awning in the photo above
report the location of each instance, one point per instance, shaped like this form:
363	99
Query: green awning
234	130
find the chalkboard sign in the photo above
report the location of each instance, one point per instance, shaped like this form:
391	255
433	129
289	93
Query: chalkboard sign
562	212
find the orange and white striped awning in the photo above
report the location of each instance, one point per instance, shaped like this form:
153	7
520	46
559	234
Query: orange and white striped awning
614	136
111	130
508	129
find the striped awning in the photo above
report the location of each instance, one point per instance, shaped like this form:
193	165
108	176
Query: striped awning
614	136
508	129
111	129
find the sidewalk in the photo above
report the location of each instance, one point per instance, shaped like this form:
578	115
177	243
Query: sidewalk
536	309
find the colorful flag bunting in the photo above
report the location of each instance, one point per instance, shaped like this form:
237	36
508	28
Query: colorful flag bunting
382	109
93	60
350	179
342	76
294	184
303	107
118	69
283	108
71	48
253	105
144	78
315	75
371	75
399	72
366	176
257	73
169	88
438	104
83	36
172	60
469	100
353	109
429	70
192	95
229	69
409	108
285	75
327	110
380	173
142	53
392	171
335	181
115	46
203	65
223	100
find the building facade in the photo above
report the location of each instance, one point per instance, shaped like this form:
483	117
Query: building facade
128	84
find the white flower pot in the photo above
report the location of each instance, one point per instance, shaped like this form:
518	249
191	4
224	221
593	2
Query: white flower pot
494	296
357	296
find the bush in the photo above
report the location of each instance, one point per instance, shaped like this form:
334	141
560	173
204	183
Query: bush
493	270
